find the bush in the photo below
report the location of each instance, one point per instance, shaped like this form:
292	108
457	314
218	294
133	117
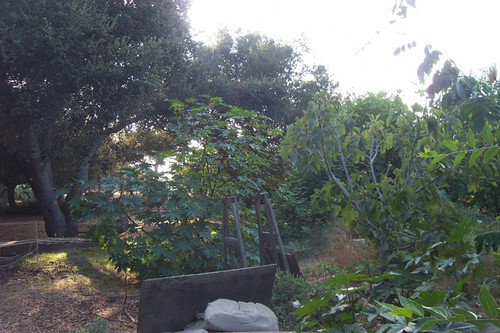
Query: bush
289	293
167	222
295	213
172	218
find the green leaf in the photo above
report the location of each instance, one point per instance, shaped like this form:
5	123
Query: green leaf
460	156
438	311
387	305
396	310
425	323
461	89
487	135
459	318
408	313
482	321
309	323
428	153
310	306
475	155
349	214
488	303
377	279
450	145
344	278
490	154
438	158
471	141
354	328
467	314
411	304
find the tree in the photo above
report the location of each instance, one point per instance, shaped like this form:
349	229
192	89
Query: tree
219	151
379	180
230	150
256	73
71	74
407	208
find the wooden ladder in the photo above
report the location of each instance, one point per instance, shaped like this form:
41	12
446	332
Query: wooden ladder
271	248
270	244
232	244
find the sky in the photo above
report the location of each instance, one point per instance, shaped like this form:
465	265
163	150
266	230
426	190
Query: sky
356	42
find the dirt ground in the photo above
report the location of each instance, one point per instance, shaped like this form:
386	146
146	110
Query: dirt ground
21	228
55	296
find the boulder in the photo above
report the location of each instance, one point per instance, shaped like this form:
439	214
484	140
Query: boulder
224	315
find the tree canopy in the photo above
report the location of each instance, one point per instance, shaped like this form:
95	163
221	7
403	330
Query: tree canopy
257	73
72	73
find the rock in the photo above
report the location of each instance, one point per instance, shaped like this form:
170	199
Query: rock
225	315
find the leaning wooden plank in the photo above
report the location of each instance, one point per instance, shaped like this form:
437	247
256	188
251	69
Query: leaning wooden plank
169	304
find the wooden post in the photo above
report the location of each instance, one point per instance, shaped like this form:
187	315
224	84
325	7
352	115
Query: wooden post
36	240
274	247
226	234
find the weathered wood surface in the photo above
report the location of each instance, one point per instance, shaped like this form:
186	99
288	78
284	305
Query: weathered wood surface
169	304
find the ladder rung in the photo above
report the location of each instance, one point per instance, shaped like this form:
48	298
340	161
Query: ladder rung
231	241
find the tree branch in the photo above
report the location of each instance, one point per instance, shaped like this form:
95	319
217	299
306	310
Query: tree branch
355	204
373	155
339	147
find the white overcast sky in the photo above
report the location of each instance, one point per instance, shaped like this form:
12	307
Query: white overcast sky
342	35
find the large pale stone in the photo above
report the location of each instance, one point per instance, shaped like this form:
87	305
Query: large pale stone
224	315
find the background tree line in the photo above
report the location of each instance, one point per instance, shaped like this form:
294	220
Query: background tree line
84	85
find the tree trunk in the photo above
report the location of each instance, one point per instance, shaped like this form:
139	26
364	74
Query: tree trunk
41	182
41	179
78	188
11	196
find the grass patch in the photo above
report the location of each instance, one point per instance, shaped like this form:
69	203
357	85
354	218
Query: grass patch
89	267
97	326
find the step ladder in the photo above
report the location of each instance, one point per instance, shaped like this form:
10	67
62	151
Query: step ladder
271	250
233	244
270	245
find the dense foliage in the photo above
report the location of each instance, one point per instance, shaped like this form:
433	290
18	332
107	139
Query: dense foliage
71	74
391	172
172	218
232	151
257	73
94	84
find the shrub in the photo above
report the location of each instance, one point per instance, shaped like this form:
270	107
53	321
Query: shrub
168	227
289	293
